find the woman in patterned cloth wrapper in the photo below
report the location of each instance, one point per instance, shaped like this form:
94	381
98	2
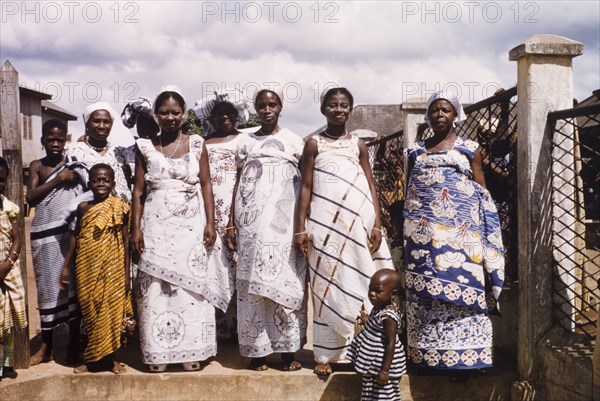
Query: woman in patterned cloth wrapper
453	247
180	275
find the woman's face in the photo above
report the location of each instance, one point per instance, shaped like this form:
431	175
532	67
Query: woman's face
337	109
170	115
99	125
441	115
268	108
223	120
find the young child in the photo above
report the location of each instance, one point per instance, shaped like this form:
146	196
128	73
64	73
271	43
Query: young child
12	292
376	352
52	185
101	239
338	227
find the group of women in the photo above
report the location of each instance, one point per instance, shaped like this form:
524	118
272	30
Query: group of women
263	217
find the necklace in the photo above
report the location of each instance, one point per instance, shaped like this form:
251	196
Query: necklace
176	147
96	148
328	135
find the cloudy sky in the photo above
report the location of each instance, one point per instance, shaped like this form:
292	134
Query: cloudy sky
383	51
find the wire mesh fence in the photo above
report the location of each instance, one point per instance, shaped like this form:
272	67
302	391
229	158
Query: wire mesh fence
576	217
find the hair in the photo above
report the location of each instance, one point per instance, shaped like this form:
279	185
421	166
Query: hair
4	164
101	166
254	163
145	125
168	95
226	107
336	91
54	123
267	90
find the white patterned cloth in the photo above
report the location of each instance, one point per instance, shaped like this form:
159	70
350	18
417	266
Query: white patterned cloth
339	224
271	277
180	281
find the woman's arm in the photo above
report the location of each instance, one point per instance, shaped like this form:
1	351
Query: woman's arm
390	328
307	165
137	204
363	158
210	235
477	167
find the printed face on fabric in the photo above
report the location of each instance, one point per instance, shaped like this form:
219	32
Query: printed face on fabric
99	125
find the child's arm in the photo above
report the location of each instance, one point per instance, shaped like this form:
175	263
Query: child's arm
210	235
37	191
363	158
64	275
307	164
230	227
137	206
125	233
391	331
13	252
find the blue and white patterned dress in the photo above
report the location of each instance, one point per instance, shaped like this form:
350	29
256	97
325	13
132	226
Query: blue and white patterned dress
453	253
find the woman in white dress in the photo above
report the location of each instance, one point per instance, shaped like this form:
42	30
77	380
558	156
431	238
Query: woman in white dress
271	278
181	278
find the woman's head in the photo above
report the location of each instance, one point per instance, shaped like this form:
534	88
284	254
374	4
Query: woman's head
98	119
170	109
443	111
336	105
268	104
223	117
139	114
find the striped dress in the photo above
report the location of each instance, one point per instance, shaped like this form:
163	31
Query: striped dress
100	272
341	218
367	350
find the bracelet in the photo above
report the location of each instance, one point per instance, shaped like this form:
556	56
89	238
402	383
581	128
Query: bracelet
12	262
378	229
229	228
300	233
385	372
16	254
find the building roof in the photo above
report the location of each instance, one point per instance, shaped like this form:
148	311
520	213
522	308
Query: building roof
31	92
53	109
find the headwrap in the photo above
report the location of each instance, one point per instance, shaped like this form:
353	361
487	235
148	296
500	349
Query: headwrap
172	88
99	106
278	92
203	108
450	97
133	109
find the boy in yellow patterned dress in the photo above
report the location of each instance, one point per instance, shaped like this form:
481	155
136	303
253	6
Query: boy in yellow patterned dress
101	240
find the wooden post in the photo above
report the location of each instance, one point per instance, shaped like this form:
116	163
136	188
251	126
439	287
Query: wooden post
11	151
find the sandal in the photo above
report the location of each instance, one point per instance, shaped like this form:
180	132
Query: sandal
158	368
259	364
191	366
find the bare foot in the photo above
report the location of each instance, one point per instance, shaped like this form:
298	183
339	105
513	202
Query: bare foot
80	369
323	369
42	356
119	368
259	364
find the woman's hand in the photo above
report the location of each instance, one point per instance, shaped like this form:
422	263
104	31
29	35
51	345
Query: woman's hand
301	242
210	235
375	240
136	240
230	240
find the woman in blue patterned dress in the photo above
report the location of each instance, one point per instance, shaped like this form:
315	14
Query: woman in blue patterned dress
453	247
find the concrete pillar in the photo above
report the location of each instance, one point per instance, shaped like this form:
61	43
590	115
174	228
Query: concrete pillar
544	83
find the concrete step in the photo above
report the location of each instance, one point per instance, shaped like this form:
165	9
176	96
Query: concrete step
227	378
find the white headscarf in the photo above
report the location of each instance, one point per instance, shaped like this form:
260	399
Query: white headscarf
172	88
278	92
99	106
450	97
